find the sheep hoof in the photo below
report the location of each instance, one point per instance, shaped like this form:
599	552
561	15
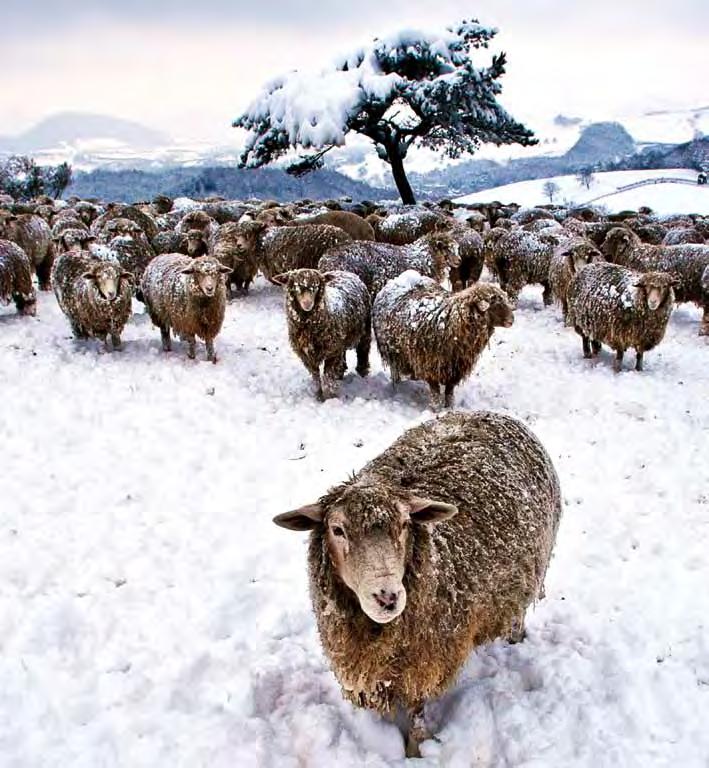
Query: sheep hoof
412	747
363	371
704	330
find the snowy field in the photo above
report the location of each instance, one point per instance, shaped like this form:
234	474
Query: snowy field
664	199
152	616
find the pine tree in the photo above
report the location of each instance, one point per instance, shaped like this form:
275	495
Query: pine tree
413	89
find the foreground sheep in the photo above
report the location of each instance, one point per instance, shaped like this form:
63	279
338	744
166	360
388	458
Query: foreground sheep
567	260
33	235
327	315
376	263
620	307
437	546
16	278
426	333
187	296
94	295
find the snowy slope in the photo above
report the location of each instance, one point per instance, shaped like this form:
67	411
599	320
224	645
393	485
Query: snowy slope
662	198
151	615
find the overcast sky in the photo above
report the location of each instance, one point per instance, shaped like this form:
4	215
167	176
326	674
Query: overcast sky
188	66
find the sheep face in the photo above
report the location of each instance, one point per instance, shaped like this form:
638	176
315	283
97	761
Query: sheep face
246	239
577	257
618	243
122	228
304	287
442	243
367	534
107	277
490	301
206	275
6	220
656	288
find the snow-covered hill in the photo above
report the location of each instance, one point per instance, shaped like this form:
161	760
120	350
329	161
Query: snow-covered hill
663	198
152	615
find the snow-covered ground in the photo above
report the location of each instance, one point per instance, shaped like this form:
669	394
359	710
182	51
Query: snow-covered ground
151	615
663	198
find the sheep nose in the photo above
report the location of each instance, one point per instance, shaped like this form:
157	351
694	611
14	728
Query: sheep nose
386	599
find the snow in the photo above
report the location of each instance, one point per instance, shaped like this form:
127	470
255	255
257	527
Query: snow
152	615
663	198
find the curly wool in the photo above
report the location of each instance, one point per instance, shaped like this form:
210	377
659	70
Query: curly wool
225	248
377	263
88	311
607	304
426	333
16	278
565	262
405	228
120	211
355	226
31	233
468	580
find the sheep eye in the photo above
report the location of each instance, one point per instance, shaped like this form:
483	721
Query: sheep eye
337	531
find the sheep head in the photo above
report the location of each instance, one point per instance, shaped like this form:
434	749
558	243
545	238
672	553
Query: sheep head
367	533
106	278
304	287
490	302
73	239
580	254
618	244
206	275
246	237
655	288
444	247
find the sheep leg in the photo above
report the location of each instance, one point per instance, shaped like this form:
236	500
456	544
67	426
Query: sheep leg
116	341
436	399
586	343
191	347
417	732
448	398
363	353
547	297
595	347
79	332
211	354
332	371
44	273
639	359
704	327
517	630
166	340
618	367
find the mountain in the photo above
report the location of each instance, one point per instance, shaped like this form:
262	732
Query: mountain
601	143
68	128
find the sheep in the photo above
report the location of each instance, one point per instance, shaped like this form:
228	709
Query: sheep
405	228
169	242
528	215
470	249
436	547
683	236
280	249
188	296
94	295
685	262
568	259
355	226
71	238
328	313
426	333
16	279
33	235
196	243
120	211
243	265
523	258
197	220
620	307
377	263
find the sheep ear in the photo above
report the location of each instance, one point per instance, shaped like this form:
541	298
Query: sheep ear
127	275
302	519
328	277
570	262
188	271
429	511
482	306
281	279
225	270
89	276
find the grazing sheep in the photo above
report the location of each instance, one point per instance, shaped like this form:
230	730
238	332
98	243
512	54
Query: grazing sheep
242	263
95	296
620	307
522	258
16	279
327	314
187	296
33	235
437	546
568	259
426	333
355	226
685	262
377	263
405	228
280	249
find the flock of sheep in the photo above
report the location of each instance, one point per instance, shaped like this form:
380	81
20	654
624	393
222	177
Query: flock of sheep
443	541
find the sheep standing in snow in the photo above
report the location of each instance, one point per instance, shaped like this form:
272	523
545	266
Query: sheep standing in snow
280	249
94	295
472	260
121	211
405	228
16	278
187	296
567	260
327	315
437	546
620	307
242	261
426	333
376	263
33	235
355	226
686	263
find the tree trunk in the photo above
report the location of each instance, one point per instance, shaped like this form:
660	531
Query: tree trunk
396	161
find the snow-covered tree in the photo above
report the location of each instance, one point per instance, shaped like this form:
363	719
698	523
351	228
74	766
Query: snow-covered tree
551	189
412	89
23	179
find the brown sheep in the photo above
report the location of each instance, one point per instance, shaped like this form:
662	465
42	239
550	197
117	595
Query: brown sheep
187	296
405	228
568	259
242	263
426	333
438	546
16	279
620	307
355	226
33	235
